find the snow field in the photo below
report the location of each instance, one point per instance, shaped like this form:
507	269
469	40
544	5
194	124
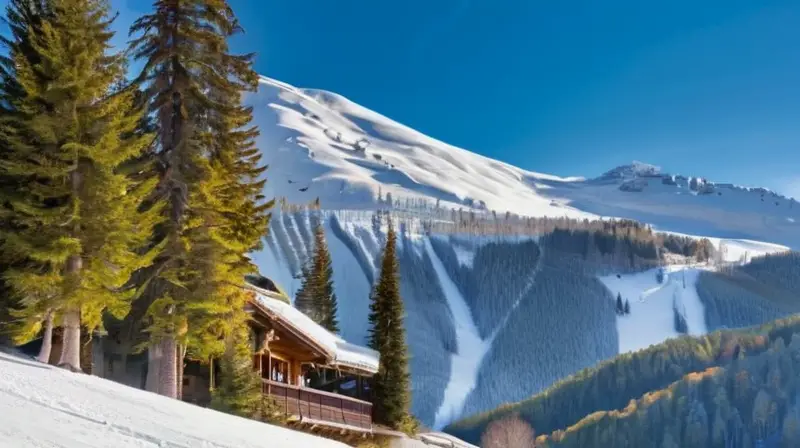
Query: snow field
651	319
43	406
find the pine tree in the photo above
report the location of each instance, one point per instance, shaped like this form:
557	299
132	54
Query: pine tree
391	395
75	230
239	390
210	178
627	307
620	307
315	298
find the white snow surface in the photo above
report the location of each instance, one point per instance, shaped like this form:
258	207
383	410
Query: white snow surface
651	320
308	138
343	352
466	363
43	406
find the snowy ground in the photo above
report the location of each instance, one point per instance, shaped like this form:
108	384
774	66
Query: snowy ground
651	320
42	406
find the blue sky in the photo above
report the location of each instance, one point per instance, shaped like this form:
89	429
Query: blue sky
572	88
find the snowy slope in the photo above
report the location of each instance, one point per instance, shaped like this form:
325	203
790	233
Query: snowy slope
651	320
319	144
42	406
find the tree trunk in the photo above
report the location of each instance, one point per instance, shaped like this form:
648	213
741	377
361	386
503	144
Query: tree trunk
154	357
71	322
180	362
168	370
47	339
71	340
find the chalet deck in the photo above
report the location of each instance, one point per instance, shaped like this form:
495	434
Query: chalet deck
313	405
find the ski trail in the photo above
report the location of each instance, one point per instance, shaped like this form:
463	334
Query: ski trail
524	292
694	311
465	364
471	349
303	252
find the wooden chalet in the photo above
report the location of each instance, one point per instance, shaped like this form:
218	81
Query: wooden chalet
315	376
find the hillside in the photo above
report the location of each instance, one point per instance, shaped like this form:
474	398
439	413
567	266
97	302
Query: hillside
319	144
727	375
485	311
43	405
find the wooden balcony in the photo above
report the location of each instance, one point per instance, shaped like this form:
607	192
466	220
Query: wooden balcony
317	406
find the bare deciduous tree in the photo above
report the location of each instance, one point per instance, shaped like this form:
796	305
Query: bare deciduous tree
509	432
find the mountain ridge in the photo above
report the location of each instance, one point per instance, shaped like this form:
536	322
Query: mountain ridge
320	144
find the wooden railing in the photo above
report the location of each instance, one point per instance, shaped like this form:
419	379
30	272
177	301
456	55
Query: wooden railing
318	405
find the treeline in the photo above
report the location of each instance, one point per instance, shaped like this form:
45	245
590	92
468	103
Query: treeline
752	401
128	194
613	383
741	295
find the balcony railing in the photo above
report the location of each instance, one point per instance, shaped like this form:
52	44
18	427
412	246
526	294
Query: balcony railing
319	405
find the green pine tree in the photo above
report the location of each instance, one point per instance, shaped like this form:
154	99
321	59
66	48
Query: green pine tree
391	394
239	390
211	179
315	297
75	232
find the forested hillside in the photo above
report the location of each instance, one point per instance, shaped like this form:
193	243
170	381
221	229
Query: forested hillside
763	289
751	400
584	404
526	285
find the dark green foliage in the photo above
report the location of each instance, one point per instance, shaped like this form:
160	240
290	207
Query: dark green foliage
71	229
315	297
429	329
391	385
754	401
539	343
613	383
627	308
239	388
679	320
728	304
501	272
211	177
620	307
778	270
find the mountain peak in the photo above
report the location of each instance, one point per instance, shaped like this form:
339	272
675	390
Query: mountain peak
633	169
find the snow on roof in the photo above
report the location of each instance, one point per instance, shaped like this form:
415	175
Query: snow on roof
351	355
341	352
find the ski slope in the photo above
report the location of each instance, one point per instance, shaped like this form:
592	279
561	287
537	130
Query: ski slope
43	406
466	362
651	320
321	145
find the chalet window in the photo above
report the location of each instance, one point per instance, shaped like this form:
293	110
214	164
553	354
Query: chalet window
280	371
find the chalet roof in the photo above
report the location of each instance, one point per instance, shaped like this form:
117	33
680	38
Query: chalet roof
340	352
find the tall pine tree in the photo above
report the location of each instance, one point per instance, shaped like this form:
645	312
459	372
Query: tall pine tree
210	178
24	18
75	232
315	297
391	394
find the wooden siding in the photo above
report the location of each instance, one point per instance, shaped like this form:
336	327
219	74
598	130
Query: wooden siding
318	405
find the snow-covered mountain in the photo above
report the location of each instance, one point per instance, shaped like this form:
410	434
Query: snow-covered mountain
495	317
321	145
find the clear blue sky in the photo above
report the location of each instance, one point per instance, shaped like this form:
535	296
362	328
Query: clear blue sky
706	87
